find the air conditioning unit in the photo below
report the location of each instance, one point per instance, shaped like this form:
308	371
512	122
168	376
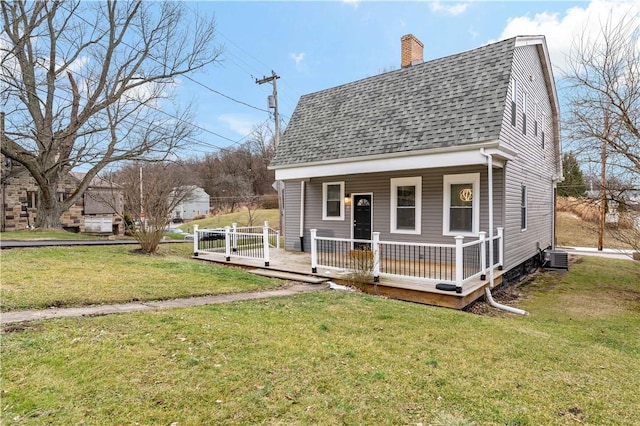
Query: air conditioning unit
554	259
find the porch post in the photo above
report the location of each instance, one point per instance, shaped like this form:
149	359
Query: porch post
375	248
195	240
483	255
500	248
265	243
278	239
314	252
459	264
227	243
235	237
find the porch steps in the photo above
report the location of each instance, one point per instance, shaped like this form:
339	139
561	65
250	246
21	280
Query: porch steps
288	276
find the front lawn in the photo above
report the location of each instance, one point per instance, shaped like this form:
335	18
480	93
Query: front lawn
37	278
341	358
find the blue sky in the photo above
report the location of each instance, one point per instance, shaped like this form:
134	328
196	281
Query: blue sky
317	45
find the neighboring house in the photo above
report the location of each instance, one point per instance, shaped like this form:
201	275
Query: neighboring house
407	153
194	206
92	213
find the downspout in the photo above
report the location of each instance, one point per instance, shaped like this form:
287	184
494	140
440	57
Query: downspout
302	193
487	290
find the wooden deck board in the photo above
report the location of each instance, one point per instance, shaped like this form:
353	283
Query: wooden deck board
413	290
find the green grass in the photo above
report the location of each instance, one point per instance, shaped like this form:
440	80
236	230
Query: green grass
36	278
342	358
45	234
240	217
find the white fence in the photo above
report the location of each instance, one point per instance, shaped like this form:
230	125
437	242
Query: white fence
456	263
247	242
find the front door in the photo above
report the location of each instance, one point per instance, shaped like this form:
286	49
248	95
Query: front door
361	216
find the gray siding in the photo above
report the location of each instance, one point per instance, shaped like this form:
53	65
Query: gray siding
534	165
379	184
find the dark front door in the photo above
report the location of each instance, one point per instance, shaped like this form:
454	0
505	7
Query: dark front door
362	216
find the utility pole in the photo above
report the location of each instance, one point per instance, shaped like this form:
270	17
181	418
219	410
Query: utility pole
273	79
603	181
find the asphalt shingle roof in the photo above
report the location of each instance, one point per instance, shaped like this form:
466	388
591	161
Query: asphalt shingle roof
451	101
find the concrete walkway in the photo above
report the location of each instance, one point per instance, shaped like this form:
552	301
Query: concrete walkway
95	310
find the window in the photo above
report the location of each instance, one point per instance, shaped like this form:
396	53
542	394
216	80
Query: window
523	208
535	119
333	201
461	208
32	199
62	196
543	124
406	201
524	113
514	100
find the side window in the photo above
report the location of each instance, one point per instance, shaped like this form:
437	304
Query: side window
543	124
514	100
535	119
32	199
523	208
524	113
333	201
461	208
406	205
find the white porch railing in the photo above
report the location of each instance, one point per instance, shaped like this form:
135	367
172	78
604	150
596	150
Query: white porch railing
455	264
247	242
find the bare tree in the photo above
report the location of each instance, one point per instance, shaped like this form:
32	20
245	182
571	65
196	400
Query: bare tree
151	192
603	96
89	83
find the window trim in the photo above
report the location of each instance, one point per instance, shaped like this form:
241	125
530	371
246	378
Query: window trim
524	207
325	185
393	223
447	181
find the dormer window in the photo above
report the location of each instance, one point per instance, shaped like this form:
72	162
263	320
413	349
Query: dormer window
514	100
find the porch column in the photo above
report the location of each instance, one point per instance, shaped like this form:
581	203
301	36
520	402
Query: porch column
314	251
234	236
195	240
227	243
483	255
265	243
375	248
459	264
500	248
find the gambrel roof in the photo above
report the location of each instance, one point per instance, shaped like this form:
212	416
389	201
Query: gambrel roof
453	101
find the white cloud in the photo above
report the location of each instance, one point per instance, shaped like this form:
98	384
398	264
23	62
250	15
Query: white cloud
239	123
449	9
297	58
562	31
353	3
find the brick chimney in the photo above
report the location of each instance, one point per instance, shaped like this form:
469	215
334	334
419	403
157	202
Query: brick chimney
411	50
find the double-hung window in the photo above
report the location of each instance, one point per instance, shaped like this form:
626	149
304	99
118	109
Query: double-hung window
333	201
461	207
406	202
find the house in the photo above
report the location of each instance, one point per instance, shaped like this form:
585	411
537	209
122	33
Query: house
92	213
438	153
194	206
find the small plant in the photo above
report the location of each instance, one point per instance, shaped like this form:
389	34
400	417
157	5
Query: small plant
361	265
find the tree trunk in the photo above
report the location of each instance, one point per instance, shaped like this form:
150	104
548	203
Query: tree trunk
49	208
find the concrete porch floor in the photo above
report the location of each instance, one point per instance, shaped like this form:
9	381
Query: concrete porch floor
413	290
